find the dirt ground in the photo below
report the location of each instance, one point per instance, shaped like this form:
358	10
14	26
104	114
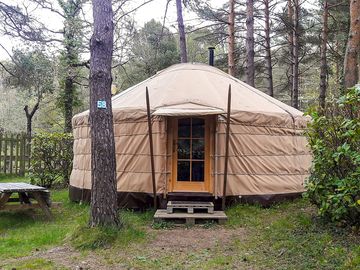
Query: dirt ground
167	242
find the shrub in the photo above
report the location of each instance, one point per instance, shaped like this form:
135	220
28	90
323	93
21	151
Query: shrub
51	159
334	137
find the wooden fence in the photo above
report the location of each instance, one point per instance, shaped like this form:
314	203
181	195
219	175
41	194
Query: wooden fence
14	154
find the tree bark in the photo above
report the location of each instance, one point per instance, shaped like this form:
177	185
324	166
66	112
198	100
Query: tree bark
295	73
29	117
351	63
183	52
250	53
323	55
231	29
103	163
71	43
268	49
68	103
338	65
290	46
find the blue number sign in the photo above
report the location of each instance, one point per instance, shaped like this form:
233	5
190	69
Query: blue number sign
101	104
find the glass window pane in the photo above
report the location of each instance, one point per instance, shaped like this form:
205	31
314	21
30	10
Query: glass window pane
198	148
197	174
184	127
183	171
183	149
198	127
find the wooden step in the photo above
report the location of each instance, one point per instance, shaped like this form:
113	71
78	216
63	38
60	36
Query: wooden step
190	219
190	196
190	206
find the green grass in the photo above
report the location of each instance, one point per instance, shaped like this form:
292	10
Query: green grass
131	230
33	264
22	232
13	178
285	236
290	236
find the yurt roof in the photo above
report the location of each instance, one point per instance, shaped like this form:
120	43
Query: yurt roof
197	89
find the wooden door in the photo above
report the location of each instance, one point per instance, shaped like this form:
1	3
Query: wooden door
191	154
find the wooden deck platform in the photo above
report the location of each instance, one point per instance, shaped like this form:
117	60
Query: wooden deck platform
190	206
190	219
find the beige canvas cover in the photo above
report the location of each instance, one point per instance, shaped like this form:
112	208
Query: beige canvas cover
268	152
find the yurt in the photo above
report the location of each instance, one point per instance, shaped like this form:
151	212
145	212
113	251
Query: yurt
268	157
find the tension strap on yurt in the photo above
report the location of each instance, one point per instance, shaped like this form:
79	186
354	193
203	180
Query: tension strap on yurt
227	138
151	147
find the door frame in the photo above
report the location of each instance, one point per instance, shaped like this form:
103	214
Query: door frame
187	186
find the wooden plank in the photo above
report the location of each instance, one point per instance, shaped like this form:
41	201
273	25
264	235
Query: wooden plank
161	213
24	198
19	187
190	203
43	204
227	139
190	220
1	140
11	153
218	216
4	198
22	154
151	147
17	155
28	154
5	153
190	206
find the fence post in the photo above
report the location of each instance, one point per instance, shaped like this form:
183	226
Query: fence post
28	150
17	139
1	138
11	153
22	155
15	153
5	153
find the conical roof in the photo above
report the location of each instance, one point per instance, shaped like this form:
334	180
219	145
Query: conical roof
185	89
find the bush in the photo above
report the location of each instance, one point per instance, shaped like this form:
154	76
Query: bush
334	137
51	159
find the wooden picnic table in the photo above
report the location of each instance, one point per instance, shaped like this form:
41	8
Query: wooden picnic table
26	193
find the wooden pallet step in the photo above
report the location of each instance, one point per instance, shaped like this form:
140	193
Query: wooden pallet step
190	206
190	219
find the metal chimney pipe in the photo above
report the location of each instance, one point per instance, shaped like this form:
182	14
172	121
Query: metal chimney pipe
211	56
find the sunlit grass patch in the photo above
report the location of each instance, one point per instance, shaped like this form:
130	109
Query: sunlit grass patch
30	264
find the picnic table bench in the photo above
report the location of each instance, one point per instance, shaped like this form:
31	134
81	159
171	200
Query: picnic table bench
26	193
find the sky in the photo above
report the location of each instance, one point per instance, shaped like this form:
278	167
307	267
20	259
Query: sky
153	10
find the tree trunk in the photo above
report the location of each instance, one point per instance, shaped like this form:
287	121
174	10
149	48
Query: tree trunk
268	49
290	45
68	102
295	73
29	117
71	42
231	28
323	68
103	163
351	63
183	53
338	66
250	54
